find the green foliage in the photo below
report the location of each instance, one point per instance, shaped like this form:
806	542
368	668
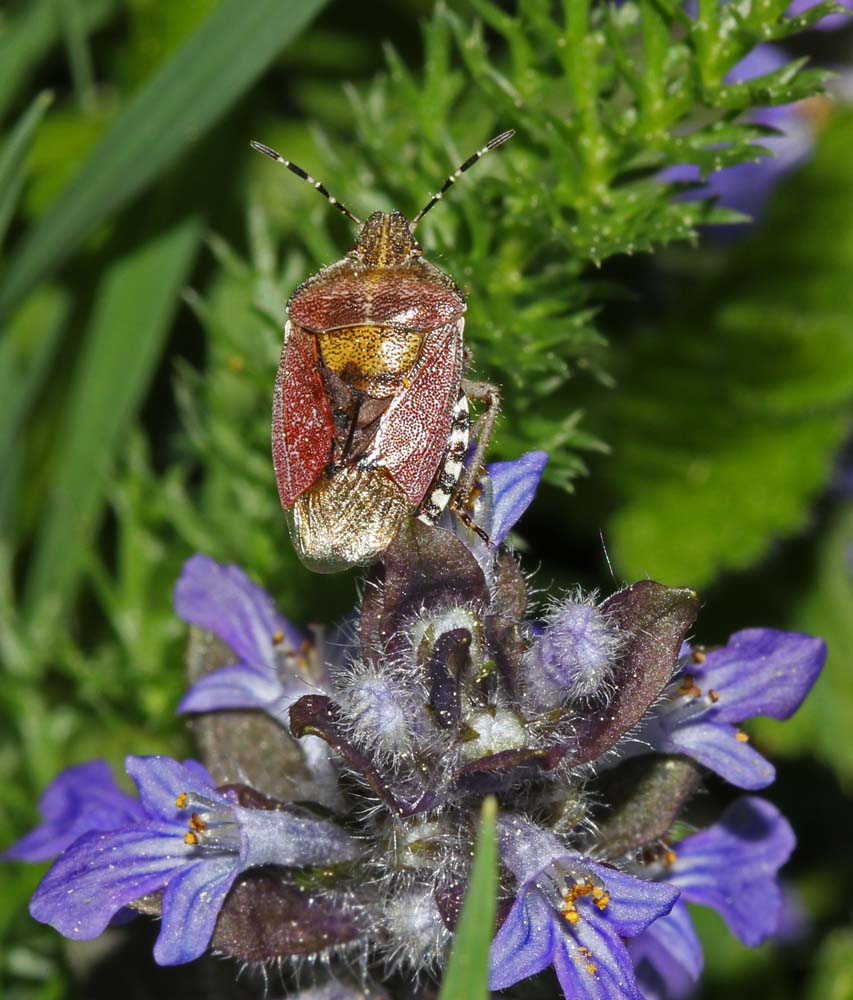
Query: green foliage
730	401
730	412
467	973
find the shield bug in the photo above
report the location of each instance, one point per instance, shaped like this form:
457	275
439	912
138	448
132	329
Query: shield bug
370	414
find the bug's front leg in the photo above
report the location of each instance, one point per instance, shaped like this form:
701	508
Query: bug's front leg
490	396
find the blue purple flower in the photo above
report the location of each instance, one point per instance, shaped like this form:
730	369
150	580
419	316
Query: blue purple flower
190	840
732	866
758	672
572	913
80	799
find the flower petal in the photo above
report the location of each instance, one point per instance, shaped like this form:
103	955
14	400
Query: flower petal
761	671
240	687
161	780
513	488
717	745
102	872
191	904
667	956
525	943
732	866
80	799
634	903
223	599
593	963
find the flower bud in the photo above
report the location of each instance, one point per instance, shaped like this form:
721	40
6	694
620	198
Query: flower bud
573	657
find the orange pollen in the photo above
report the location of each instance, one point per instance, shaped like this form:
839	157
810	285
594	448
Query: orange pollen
591	968
688	687
583	950
278	637
670	857
584	889
570	914
181	801
407	382
190	838
197	824
712	694
602	900
697	656
741	737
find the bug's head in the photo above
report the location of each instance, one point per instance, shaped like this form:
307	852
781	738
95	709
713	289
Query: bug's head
385	240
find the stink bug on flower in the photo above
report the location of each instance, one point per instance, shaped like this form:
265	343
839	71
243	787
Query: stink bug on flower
370	415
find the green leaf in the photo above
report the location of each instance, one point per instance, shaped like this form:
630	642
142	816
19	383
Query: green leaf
826	609
14	153
833	969
25	352
130	318
467	972
196	87
28	36
728	417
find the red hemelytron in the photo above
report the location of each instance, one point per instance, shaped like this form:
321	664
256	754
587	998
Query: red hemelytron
370	415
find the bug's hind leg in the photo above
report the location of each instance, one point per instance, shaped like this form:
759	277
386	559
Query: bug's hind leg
490	395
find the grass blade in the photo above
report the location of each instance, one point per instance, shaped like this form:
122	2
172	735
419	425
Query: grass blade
130	319
14	153
467	972
196	86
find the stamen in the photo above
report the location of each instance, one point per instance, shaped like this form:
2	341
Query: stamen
741	736
278	637
712	694
181	801
212	825
190	838
570	887
697	656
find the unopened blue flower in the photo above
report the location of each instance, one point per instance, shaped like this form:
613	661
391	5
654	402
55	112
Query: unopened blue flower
759	672
732	867
513	486
571	913
80	799
192	841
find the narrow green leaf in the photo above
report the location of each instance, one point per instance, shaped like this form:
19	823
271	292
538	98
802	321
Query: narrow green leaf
130	319
185	98
25	352
27	36
14	153
467	972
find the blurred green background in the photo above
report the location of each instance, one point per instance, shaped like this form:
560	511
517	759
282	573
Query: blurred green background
696	401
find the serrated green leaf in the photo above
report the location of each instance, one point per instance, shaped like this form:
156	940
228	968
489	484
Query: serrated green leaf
467	973
727	419
195	88
14	153
130	318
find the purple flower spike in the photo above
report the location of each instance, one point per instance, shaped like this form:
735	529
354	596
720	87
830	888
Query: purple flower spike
732	867
573	914
224	600
81	799
191	841
759	672
513	488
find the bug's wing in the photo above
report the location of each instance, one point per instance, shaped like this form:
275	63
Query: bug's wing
302	425
414	430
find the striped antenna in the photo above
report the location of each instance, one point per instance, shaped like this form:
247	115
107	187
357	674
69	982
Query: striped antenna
317	185
498	140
